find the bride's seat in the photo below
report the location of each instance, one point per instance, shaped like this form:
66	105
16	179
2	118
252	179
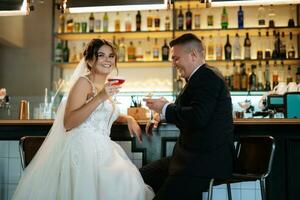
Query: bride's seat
28	146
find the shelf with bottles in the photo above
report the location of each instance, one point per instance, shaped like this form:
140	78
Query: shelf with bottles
252	31
145	64
292	61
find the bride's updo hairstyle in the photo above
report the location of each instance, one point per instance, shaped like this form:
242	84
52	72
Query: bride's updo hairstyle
91	51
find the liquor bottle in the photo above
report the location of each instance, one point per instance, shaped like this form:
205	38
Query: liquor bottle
260	49
298	75
219	48
224	19
227	49
139	52
261	16
131	52
157	21
70	25
247	47
244	78
188	18
281	72
236	79
240	18
260	86
210	48
73	55
117	23
237	47
268	46
228	77
291	22
165	51
291	52
155	50
277	43
105	22
210	18
91	23
271	17
180	19
138	21
149	21
61	28
282	51
289	77
148	50
66	52
197	18
128	23
58	52
267	77
275	74
167	23
122	51
253	79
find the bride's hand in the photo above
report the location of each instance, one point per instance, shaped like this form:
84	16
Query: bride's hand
134	128
109	90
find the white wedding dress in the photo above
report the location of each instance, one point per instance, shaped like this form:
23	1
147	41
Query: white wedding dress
92	166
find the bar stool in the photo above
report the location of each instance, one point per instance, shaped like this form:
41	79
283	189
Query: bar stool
28	146
254	162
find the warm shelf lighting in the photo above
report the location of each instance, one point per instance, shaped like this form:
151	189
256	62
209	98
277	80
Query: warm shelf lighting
24	10
221	3
114	8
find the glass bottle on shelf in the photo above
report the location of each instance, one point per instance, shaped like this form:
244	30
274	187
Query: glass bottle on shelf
244	77
224	19
267	77
91	23
165	51
149	21
210	48
61	28
228	77
128	23
275	74
291	22
167	23
291	51
73	55
236	79
139	52
197	18
253	79
282	47
148	50
210	18
298	75
122	51
131	52
58	52
247	47
157	21
271	16
105	22
281	72
268	46
138	21
155	50
261	16
70	25
227	49
66	52
260	86
203	44
180	19
289	77
188	18
240	18
259	55
237	50
277	44
117	23
219	48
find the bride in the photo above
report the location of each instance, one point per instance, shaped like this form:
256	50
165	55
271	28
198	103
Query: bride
78	160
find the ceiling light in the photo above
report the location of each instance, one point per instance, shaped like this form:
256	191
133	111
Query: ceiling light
23	10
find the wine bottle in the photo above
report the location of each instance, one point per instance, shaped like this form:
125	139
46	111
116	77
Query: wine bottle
259	54
188	18
247	47
165	51
224	19
244	78
138	21
237	50
267	77
240	18
105	22
227	49
180	19
253	79
117	23
66	52
91	22
291	52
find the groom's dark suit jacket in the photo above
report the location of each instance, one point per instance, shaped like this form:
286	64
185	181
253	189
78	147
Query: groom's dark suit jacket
203	113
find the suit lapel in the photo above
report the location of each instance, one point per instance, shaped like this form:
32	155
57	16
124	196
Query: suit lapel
181	93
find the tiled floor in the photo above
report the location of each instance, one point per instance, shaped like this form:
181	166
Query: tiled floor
10	171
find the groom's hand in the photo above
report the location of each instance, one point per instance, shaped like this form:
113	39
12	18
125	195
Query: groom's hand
156	104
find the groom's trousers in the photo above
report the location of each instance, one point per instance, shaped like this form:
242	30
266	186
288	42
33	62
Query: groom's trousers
167	187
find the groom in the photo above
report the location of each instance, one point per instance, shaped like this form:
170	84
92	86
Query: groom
203	114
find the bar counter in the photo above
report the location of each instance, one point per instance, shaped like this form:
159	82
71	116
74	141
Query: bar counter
283	182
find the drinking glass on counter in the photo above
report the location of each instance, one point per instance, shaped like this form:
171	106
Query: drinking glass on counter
118	82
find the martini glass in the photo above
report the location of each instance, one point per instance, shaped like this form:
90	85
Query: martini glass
117	82
245	105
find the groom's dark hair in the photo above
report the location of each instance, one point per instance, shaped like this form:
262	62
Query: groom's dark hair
189	40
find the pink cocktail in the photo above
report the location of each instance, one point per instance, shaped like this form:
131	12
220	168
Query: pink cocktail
117	80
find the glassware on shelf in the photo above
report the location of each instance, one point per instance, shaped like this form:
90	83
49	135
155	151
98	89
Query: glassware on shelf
271	16
261	16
